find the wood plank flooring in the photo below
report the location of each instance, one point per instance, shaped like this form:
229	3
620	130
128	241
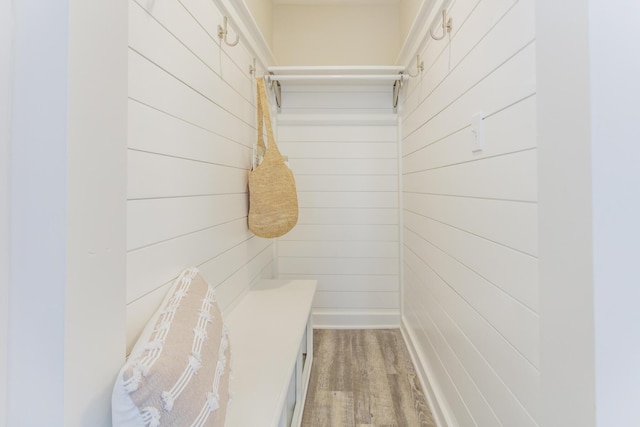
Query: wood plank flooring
364	378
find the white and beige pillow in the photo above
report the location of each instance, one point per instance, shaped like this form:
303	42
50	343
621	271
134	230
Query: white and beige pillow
178	371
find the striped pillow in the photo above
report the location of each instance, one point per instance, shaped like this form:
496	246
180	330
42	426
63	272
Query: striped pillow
178	371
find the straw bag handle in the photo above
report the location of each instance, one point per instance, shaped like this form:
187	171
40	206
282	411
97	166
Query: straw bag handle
272	154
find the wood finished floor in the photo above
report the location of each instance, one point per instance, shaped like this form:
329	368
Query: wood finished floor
364	378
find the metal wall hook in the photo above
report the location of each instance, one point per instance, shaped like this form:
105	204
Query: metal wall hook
446	26
223	33
419	67
275	86
252	68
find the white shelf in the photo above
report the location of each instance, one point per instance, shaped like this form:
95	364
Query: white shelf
335	75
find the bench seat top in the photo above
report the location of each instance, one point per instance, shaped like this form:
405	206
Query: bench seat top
266	329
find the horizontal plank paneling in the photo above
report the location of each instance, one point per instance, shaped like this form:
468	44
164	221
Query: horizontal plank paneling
257	264
153	86
191	135
504	177
150	39
155	220
351	283
153	131
340	150
151	175
362	166
353	249
516	76
333	200
335	265
346	168
457	379
479	217
178	20
433	367
507	131
514	272
343	216
469	220
336	100
515	322
153	265
347	183
496	369
367	233
356	300
310	133
486	58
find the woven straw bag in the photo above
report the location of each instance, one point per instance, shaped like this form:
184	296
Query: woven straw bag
273	201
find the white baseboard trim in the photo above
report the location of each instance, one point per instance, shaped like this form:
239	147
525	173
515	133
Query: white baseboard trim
357	320
435	399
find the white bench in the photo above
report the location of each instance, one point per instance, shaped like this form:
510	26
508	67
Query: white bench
272	350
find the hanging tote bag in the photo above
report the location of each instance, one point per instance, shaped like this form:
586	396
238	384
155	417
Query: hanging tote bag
273	201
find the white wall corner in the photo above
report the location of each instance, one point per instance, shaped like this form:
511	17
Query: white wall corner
565	215
68	217
96	213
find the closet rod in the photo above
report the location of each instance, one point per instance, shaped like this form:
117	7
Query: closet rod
305	77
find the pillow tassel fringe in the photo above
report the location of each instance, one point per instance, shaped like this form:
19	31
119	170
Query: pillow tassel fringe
151	416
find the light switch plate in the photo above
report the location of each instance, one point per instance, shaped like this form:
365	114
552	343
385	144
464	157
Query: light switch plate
477	132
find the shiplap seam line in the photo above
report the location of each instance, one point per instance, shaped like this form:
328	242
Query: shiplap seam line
466	127
181	196
336	258
238	297
489	323
502	291
463	196
447	46
325	225
452	69
142	55
189	123
200	265
345	191
343	158
354	292
350	240
168	239
293	141
241	72
188	159
297	173
479	159
266	248
471	343
468	232
471	87
436	328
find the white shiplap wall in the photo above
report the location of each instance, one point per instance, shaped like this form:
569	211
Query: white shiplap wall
342	144
470	220
191	132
